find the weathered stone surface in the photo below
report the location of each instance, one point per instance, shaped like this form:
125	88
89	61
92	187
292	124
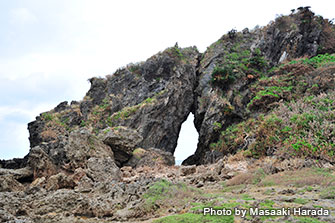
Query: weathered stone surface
22	175
187	170
41	163
291	37
8	184
61	106
102	169
59	181
150	157
122	141
83	145
133	117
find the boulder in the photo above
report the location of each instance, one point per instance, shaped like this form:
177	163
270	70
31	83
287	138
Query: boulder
23	175
103	169
9	184
40	163
60	181
81	146
122	141
81	150
150	157
187	170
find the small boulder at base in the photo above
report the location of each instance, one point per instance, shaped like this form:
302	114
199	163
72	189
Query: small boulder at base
187	170
9	184
122	140
151	157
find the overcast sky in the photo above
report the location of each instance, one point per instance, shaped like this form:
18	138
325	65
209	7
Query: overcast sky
48	49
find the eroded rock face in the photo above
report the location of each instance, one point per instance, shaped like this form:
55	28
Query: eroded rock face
219	106
149	101
15	163
150	157
83	145
102	169
9	184
41	163
141	105
93	160
154	98
84	156
122	141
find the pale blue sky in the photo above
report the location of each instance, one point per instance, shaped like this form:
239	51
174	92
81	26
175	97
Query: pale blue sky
48	49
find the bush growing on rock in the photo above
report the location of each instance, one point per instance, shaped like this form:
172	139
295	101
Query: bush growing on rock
302	128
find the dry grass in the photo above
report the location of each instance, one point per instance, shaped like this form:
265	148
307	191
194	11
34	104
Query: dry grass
49	135
253	176
243	178
285	23
239	156
163	194
300	178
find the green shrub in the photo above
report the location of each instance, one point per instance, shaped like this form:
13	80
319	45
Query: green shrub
82	123
300	201
223	76
316	61
302	128
236	64
47	116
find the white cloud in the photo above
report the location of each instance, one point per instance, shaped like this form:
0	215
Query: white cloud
22	16
9	110
14	135
14	141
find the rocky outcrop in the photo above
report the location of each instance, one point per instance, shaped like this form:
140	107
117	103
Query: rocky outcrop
12	180
243	58
141	105
110	157
123	142
153	98
9	184
15	163
76	198
150	157
147	102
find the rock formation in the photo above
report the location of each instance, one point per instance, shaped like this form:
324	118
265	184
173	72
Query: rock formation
92	155
153	98
288	37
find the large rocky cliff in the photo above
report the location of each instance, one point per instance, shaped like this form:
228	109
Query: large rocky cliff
266	94
149	101
230	69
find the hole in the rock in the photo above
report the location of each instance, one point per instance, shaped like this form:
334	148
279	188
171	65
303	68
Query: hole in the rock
187	140
26	179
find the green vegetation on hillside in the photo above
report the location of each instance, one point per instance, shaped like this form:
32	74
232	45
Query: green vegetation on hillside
302	122
164	193
236	64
